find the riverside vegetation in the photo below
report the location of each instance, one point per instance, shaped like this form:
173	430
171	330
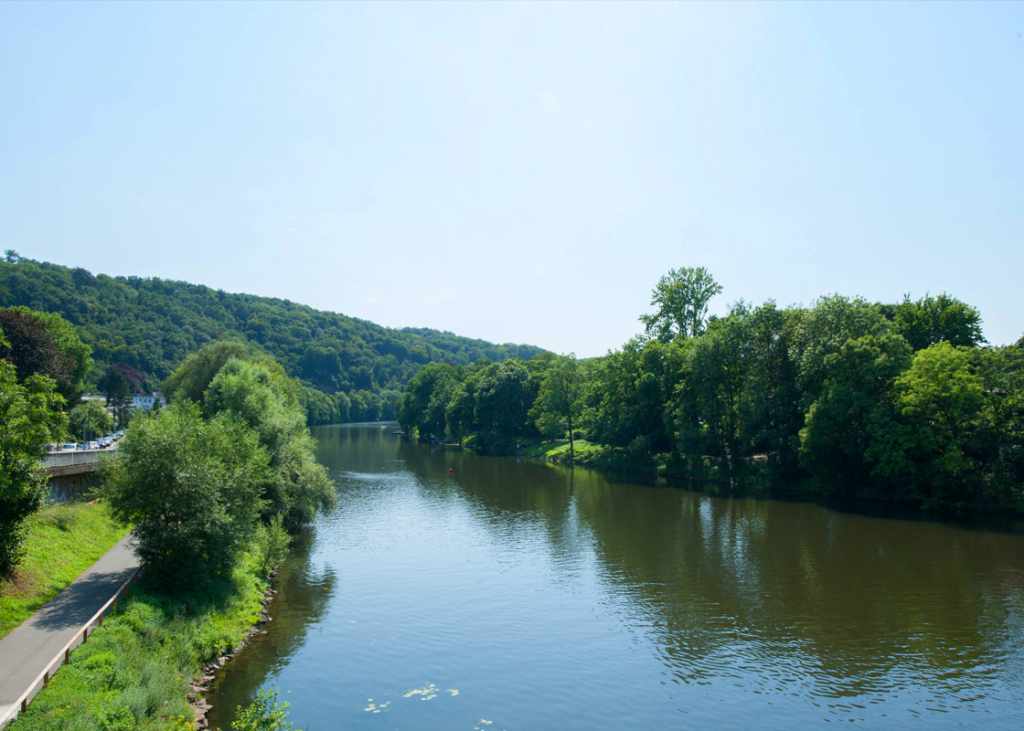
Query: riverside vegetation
212	488
897	404
140	329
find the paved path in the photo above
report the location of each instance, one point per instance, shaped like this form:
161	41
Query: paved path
29	648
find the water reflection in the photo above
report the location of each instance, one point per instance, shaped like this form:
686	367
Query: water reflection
558	598
303	594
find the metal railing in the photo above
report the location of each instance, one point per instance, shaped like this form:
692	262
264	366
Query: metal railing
78	457
78	639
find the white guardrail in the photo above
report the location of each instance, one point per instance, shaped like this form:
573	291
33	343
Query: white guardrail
79	638
77	457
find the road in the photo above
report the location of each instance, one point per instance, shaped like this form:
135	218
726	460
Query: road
29	648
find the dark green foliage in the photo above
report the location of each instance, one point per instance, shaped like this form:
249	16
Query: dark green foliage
30	416
853	439
151	325
626	393
941	319
426	401
45	344
192	490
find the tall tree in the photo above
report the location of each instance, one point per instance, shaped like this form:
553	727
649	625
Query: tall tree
30	416
191	489
558	399
681	299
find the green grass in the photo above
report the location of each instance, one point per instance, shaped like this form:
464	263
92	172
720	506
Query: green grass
62	542
135	670
585	451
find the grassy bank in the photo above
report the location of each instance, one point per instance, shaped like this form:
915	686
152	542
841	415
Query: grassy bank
596	456
62	542
136	671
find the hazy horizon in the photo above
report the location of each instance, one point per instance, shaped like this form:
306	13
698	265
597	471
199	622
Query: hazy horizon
522	173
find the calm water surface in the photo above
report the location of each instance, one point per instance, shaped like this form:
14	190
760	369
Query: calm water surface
514	595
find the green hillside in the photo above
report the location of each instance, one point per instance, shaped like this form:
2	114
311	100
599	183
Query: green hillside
149	325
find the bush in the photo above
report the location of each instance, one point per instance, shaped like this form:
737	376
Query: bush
263	714
192	490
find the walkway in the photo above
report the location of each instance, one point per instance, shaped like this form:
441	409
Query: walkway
30	648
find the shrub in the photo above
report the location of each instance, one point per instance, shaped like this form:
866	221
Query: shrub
192	490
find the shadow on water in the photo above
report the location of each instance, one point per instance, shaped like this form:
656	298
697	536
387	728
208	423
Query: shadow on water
738	601
302	596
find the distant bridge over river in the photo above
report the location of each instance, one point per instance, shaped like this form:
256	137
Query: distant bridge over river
77	462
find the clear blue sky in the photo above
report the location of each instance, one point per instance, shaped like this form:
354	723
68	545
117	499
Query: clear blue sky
522	172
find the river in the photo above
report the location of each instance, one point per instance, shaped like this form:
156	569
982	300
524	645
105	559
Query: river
450	591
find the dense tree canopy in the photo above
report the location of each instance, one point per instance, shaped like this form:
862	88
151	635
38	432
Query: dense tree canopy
198	478
846	399
191	488
150	325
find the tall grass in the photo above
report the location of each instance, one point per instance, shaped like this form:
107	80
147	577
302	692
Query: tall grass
135	671
62	542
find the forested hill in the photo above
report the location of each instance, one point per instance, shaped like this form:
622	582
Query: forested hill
150	325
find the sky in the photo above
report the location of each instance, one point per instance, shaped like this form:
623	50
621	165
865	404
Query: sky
522	172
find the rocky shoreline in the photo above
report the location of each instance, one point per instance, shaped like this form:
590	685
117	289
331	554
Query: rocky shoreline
201	686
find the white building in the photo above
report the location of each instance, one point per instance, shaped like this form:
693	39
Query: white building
147	401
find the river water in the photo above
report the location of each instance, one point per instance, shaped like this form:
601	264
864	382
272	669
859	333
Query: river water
449	591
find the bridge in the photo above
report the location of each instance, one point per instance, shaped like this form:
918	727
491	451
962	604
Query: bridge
78	462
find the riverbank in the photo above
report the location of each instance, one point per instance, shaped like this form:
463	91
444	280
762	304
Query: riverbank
590	454
62	541
147	665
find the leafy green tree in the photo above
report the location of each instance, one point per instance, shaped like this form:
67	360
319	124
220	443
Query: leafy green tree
193	376
558	403
1002	441
853	441
192	490
770	414
626	394
426	401
944	399
343	407
681	299
46	344
937	319
89	420
504	395
817	333
30	417
261	397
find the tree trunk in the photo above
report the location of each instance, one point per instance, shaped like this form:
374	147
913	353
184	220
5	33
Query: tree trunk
572	447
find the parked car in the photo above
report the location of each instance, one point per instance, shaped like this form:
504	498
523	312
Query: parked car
69	446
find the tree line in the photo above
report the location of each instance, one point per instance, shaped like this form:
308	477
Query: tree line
901	404
139	329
